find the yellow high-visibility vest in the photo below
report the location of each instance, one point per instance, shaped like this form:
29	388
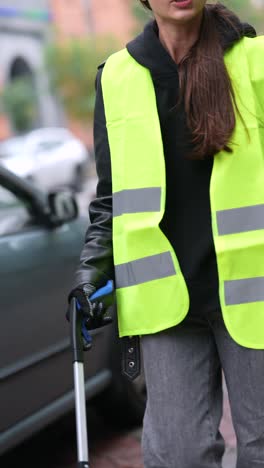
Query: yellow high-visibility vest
151	291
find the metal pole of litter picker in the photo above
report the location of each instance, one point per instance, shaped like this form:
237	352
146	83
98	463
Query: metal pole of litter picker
79	388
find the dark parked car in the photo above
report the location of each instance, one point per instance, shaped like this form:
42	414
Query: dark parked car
41	236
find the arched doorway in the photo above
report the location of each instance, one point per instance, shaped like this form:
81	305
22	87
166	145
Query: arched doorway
21	96
20	68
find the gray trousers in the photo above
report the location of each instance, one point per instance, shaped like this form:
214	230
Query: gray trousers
183	368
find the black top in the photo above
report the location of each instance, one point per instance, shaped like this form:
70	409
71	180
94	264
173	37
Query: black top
187	218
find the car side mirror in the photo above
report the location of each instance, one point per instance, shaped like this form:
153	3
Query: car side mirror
63	207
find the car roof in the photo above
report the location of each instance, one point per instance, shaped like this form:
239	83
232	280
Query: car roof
50	131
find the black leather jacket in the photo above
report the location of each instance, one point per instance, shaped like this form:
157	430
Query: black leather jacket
96	262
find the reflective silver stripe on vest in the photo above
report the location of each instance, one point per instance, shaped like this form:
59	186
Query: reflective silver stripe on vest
244	291
136	201
248	218
144	270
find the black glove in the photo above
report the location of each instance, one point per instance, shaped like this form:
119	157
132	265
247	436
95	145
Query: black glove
93	311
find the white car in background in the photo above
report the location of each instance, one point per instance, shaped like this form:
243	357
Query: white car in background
49	157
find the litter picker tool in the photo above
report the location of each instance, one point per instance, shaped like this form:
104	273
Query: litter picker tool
81	341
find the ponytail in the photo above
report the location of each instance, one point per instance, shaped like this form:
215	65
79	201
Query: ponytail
205	86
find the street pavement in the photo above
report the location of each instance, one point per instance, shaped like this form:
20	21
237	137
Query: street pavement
229	435
55	446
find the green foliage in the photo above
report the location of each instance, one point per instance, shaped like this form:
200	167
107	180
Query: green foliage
19	101
247	11
72	67
141	14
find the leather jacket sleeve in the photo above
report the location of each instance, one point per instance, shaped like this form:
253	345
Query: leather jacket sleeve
96	261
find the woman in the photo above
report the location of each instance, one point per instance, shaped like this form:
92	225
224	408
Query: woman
179	218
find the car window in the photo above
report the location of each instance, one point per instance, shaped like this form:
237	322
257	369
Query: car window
14	214
48	146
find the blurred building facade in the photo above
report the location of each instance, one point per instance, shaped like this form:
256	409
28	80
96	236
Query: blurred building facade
25	28
80	17
258	4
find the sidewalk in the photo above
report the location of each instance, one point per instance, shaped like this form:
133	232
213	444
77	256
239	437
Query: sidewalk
229	435
125	452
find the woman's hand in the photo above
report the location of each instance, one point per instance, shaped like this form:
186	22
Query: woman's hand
93	310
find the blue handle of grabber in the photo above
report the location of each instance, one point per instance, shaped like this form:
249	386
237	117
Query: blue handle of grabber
104	291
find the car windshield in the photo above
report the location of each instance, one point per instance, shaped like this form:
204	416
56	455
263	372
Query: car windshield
48	145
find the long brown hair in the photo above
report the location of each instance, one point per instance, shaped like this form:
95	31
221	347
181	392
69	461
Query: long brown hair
206	88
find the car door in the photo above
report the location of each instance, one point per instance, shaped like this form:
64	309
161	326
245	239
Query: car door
36	273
